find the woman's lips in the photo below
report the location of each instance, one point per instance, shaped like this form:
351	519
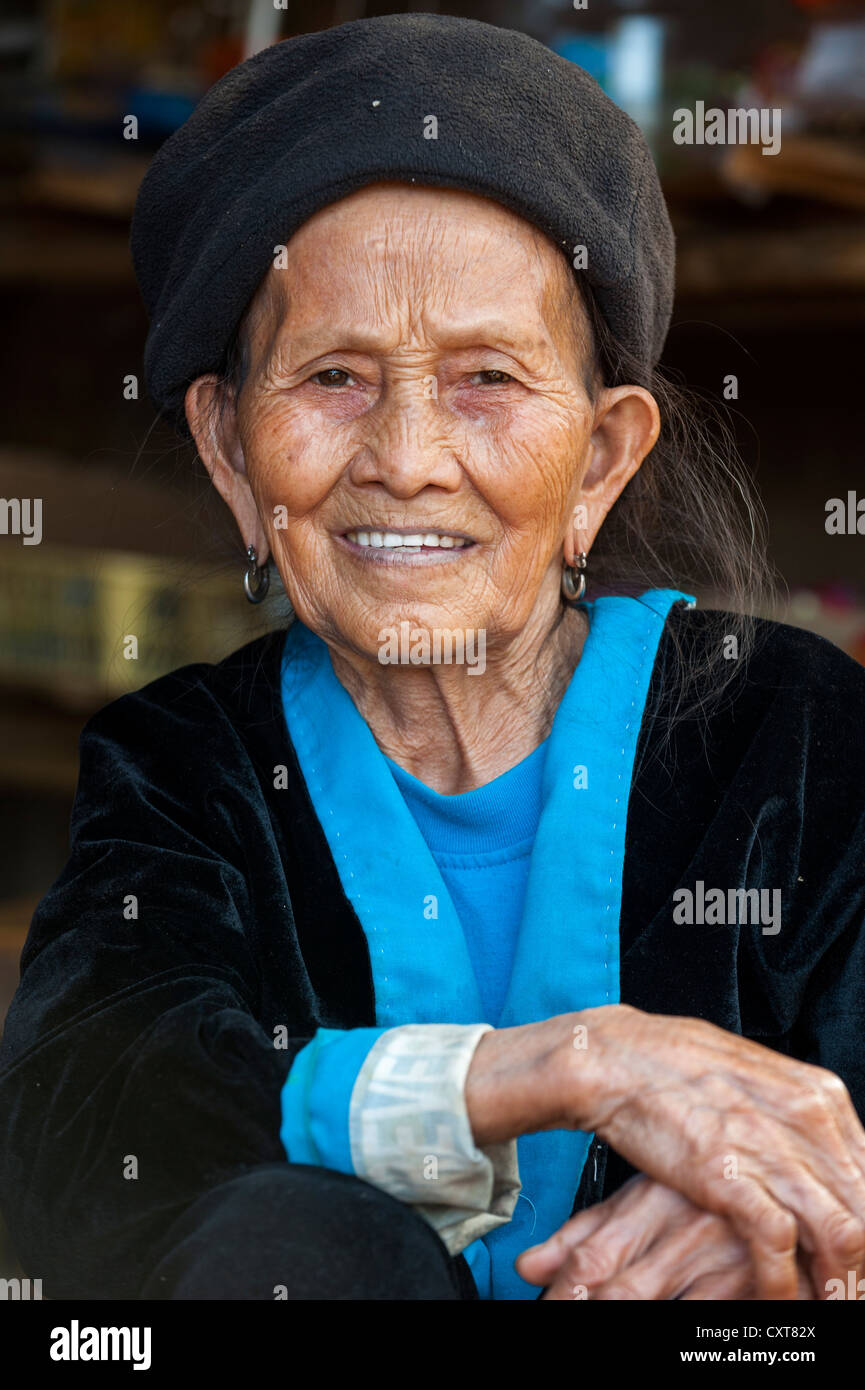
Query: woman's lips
406	547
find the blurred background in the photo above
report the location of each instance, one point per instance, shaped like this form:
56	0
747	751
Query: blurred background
771	292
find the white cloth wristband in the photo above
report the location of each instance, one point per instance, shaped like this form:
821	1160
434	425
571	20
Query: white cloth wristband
410	1134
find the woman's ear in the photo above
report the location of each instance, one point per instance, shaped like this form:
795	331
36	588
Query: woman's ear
212	416
626	428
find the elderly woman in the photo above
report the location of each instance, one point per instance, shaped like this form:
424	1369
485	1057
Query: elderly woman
506	899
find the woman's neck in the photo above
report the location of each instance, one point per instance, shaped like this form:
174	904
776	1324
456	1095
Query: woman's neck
455	730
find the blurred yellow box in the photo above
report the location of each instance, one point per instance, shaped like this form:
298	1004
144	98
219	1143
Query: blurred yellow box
84	625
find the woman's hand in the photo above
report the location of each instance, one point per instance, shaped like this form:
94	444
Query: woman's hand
772	1144
645	1242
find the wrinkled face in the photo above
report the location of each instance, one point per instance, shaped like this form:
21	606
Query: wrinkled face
415	420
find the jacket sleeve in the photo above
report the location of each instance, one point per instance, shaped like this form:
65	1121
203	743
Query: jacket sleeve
134	1075
388	1105
821	961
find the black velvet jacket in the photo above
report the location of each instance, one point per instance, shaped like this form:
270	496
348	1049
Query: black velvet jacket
201	908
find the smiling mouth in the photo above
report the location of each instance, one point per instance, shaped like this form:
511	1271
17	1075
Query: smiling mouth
398	543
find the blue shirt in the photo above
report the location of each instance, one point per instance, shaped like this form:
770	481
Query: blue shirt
482	842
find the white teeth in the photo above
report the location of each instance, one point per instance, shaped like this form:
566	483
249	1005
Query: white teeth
392	540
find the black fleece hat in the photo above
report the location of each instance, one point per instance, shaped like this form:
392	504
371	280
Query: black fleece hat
310	119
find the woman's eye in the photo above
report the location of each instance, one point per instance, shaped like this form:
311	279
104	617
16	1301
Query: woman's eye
331	376
493	377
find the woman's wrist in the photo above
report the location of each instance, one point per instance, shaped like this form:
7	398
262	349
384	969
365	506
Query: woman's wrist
577	1068
540	1076
507	1092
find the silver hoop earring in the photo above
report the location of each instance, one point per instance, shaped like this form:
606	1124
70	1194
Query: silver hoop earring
256	579
574	580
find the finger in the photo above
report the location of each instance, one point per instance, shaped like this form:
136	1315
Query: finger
725	1286
737	1284
565	1290
828	1232
538	1263
835	1232
806	1292
757	1215
849	1125
769	1229
704	1245
829	1200
831	1237
582	1225
837	1142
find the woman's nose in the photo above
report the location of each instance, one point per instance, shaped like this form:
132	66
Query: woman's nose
406	442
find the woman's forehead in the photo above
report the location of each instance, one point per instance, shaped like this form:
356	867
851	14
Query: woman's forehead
419	205
450	256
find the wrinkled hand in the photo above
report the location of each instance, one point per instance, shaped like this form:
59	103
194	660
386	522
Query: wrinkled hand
770	1143
645	1242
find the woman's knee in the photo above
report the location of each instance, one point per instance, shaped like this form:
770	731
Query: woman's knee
298	1232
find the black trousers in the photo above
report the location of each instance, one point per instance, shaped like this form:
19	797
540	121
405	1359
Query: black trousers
298	1232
